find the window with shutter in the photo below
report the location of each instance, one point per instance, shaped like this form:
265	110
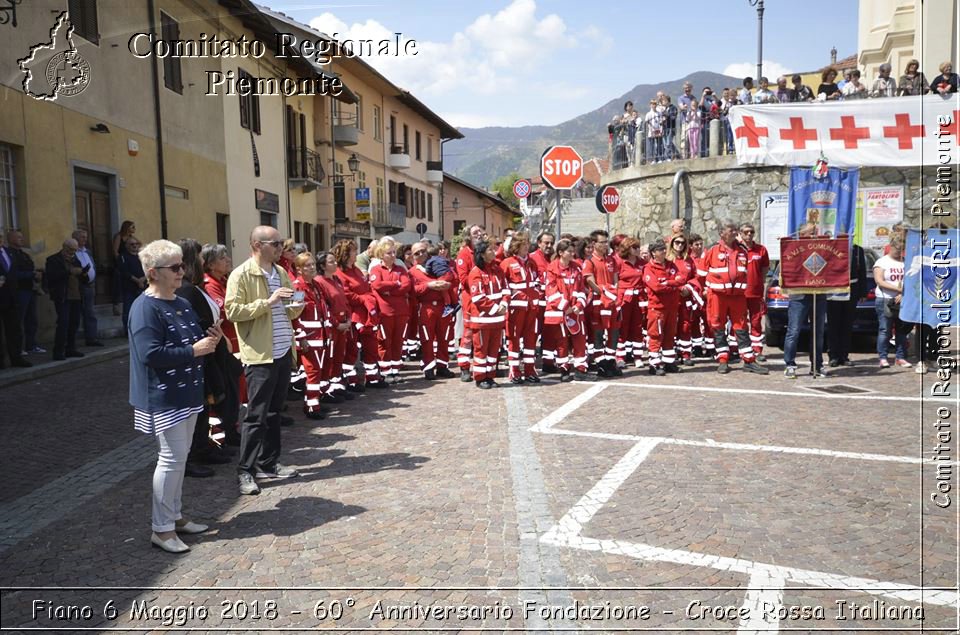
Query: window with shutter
430	207
83	17
417	143
423	204
170	31
303	144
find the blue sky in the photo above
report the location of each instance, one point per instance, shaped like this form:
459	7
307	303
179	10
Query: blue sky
521	62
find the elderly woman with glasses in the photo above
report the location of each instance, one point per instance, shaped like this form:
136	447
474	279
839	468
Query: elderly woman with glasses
166	383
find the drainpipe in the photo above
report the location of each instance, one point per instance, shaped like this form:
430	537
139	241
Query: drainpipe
159	125
676	192
442	170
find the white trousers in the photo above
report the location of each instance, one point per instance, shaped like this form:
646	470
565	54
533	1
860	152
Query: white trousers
168	475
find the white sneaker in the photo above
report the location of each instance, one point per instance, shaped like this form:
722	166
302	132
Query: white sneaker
920	369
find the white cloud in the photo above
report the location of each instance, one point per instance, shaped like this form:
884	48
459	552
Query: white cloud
494	54
771	70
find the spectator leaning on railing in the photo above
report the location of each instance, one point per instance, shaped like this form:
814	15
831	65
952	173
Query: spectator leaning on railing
801	92
745	96
853	89
913	82
884	86
946	81
828	89
764	95
784	94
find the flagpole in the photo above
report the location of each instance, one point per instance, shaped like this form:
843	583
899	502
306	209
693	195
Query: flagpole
813	344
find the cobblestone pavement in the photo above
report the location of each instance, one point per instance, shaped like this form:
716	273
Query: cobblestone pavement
693	502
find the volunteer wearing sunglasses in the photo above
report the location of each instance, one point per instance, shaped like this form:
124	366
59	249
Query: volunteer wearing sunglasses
166	383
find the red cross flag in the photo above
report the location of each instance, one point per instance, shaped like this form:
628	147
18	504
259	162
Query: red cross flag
901	131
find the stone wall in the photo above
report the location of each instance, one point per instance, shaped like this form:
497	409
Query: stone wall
715	189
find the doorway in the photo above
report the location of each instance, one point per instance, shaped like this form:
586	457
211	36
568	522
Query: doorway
92	197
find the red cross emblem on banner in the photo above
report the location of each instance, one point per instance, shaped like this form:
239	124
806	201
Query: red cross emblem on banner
798	134
849	133
903	131
752	133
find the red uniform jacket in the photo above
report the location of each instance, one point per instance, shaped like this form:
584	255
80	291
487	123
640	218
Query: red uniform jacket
542	263
360	297
217	290
486	297
312	326
725	269
688	269
663	284
631	288
425	294
604	272
758	261
336	299
523	281
465	265
392	288
565	288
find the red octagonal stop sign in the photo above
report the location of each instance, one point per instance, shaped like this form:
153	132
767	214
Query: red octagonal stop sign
561	167
610	199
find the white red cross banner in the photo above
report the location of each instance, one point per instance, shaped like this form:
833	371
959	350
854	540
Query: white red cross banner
897	131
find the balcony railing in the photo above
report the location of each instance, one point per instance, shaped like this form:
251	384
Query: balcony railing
399	157
390	217
304	168
435	172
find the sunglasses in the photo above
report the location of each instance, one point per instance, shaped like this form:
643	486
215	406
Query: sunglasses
272	243
177	268
419	253
679	242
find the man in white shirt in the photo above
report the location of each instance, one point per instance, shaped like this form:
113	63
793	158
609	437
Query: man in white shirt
88	290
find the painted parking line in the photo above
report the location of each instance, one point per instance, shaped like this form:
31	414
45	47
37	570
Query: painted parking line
780	393
568	408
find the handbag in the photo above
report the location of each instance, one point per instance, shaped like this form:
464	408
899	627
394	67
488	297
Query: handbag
891	308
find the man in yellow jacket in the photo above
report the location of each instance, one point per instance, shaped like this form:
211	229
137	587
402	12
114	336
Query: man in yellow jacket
258	302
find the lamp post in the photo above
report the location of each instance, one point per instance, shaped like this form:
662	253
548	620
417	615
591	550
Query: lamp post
759	5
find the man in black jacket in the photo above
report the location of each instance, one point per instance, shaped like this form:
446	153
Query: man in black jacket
63	276
12	336
842	310
26	279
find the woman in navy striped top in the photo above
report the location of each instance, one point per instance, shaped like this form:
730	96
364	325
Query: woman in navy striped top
166	383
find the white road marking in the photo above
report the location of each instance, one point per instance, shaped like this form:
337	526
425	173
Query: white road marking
777	393
566	409
764	599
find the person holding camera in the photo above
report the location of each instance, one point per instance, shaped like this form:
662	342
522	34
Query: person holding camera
64	275
257	292
888	273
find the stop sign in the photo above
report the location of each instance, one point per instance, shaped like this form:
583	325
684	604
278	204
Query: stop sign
561	167
608	199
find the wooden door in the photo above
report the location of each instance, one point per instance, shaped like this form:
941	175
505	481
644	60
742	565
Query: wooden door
93	216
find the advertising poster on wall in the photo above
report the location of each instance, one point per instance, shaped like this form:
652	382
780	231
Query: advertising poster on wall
774	207
879	209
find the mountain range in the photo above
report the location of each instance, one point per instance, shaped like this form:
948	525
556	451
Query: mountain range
485	154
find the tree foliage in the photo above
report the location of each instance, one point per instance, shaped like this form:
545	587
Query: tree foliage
504	187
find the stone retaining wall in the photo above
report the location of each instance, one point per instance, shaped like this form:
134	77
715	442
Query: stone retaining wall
715	189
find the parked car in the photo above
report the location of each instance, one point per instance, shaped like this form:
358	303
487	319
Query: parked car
865	321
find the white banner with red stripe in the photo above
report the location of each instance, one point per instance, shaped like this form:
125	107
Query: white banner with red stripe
896	131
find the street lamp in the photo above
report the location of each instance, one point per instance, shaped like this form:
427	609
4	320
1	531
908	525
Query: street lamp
353	164
759	5
455	204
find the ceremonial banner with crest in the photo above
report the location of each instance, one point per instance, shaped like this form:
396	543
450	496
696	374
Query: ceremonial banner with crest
904	131
815	265
930	282
829	203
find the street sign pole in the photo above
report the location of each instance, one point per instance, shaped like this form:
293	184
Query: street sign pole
557	192
608	223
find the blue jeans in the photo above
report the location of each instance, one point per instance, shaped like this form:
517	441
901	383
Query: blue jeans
901	330
90	331
798	312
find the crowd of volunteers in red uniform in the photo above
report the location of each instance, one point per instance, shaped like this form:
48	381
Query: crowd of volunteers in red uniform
590	305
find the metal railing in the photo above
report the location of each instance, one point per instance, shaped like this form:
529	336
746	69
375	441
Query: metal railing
390	215
396	148
304	163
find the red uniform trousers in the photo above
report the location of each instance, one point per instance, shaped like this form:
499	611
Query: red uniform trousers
686	314
661	331
411	333
632	326
351	350
433	333
723	306
338	352
364	344
602	335
486	349
313	356
548	341
696	327
522	341
390	343
466	338
756	309
571	347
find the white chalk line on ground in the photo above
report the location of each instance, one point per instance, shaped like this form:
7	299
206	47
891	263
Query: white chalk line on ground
767	581
780	393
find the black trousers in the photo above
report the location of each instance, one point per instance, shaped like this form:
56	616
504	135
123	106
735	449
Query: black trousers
260	430
68	321
840	317
10	334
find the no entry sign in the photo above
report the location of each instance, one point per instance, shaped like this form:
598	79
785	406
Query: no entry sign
521	189
608	199
561	167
